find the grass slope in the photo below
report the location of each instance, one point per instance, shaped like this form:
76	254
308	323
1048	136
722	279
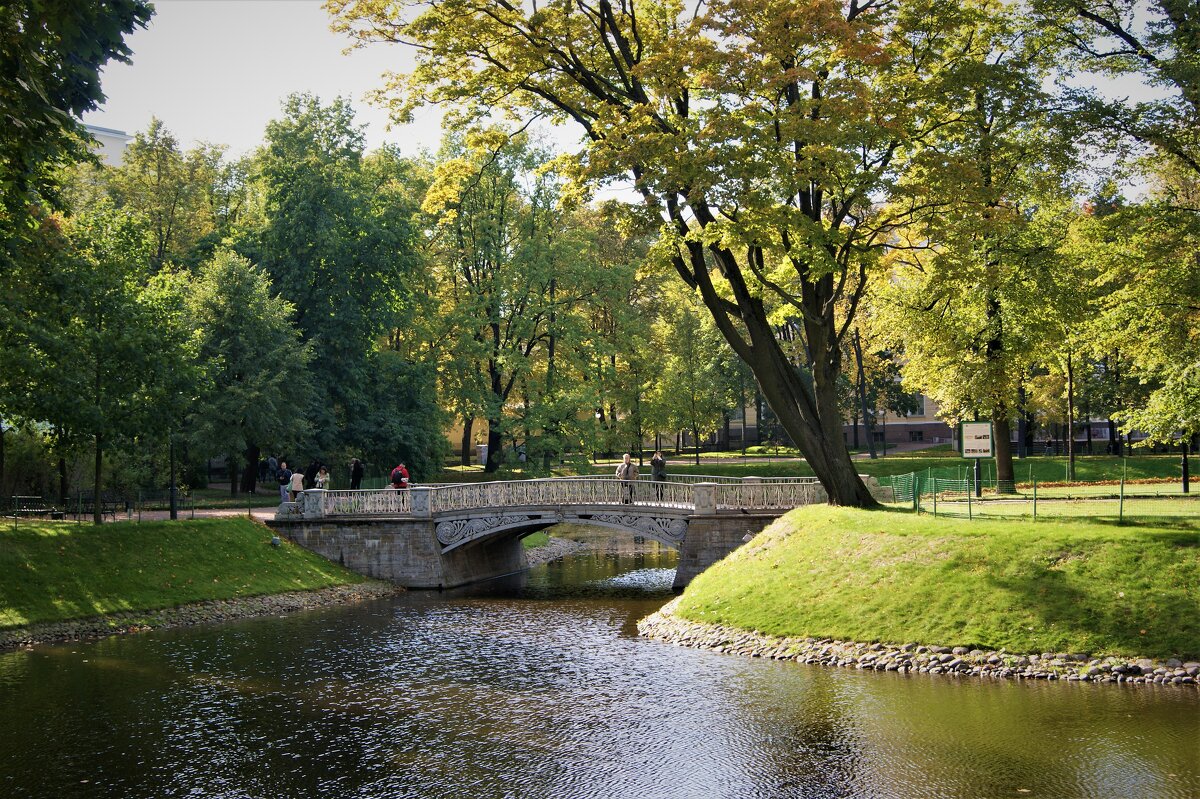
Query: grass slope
1027	587
57	571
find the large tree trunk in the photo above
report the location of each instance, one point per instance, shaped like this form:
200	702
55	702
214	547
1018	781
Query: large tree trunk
1001	435
465	454
250	473
812	419
1070	418
62	481
231	468
494	446
97	507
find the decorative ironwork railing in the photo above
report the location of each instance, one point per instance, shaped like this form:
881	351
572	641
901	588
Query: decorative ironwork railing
559	491
428	501
769	496
361	503
695	478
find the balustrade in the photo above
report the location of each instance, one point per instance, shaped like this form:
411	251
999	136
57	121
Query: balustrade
683	492
359	503
769	496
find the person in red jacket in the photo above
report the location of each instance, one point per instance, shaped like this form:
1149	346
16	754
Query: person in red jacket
400	477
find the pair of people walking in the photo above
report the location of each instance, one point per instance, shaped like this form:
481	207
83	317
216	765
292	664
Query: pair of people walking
292	483
627	473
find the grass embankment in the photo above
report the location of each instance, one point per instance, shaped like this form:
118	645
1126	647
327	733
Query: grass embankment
884	576
58	571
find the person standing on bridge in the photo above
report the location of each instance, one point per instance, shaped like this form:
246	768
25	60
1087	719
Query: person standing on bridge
627	473
297	485
658	472
400	477
356	474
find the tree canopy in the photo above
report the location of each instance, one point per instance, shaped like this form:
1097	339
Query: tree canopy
51	53
761	133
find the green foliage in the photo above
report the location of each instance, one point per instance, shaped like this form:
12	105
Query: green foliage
257	367
883	576
169	190
400	419
51	54
531	297
692	392
58	571
97	348
337	247
1145	267
1152	41
762	133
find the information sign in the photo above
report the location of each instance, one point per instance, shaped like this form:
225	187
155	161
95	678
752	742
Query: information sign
976	439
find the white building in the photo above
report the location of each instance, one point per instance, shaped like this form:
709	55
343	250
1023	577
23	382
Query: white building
110	143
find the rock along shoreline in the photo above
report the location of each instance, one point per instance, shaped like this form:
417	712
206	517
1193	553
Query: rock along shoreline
212	611
913	658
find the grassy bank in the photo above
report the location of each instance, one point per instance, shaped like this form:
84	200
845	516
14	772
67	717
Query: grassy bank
57	571
885	576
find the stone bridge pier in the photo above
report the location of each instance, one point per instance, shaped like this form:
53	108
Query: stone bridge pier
406	551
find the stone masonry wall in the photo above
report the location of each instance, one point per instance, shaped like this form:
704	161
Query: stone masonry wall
405	552
712	537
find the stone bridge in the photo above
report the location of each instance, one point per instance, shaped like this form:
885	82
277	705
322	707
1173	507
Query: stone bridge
442	536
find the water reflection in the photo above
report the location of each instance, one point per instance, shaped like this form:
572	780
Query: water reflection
540	688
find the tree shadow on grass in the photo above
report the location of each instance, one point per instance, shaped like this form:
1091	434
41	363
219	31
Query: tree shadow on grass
1162	625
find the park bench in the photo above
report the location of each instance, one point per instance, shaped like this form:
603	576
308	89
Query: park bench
32	506
86	504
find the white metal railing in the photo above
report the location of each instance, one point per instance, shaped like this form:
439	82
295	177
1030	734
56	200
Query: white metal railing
695	478
702	496
558	491
769	496
362	503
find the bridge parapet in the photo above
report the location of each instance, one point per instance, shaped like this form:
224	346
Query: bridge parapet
560	491
435	501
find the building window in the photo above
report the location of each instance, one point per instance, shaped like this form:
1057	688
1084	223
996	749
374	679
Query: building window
918	404
916	435
877	436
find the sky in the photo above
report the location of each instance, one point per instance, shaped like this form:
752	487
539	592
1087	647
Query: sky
218	71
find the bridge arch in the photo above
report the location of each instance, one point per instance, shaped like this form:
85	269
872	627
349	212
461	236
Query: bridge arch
452	533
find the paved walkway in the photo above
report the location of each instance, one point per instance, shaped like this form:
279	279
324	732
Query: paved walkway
258	514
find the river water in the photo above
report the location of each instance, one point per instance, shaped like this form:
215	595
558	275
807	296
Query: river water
546	691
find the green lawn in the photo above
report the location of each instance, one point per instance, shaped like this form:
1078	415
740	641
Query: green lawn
1050	586
52	571
936	462
534	540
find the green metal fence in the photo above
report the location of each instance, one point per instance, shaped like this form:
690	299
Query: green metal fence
961	497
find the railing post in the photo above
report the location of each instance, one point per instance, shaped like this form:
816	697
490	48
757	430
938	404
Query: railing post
311	506
704	497
420	502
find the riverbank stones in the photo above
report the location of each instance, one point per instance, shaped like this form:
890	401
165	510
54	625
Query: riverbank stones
911	658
